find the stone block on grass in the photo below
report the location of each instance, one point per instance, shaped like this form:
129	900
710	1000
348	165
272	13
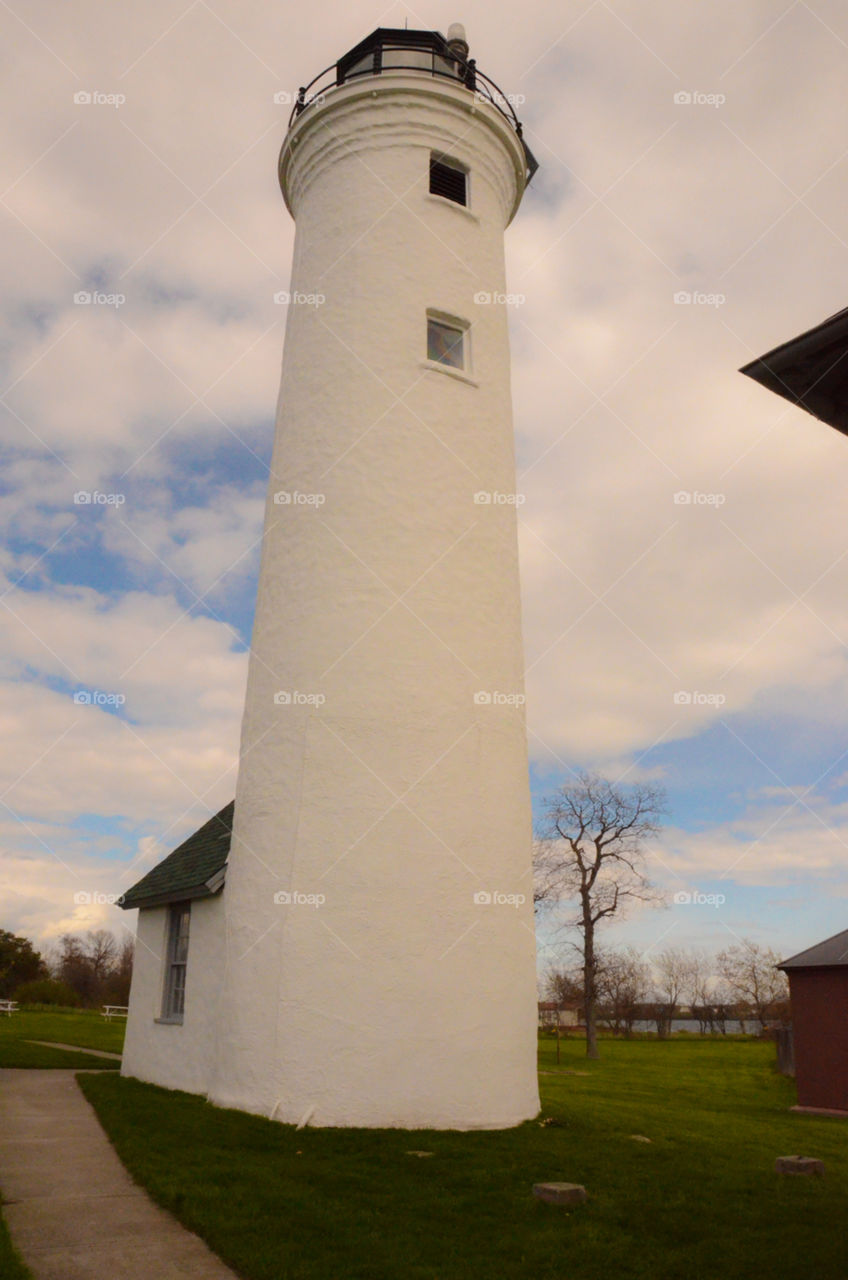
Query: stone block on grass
805	1165
560	1192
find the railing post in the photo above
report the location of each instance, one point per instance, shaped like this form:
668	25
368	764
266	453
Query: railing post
471	74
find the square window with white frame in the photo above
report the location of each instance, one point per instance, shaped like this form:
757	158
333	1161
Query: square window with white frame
447	342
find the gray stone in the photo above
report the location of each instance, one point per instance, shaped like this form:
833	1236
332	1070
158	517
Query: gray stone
639	1137
560	1192
799	1164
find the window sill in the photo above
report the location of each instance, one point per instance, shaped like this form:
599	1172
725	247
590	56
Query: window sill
460	208
169	1022
437	367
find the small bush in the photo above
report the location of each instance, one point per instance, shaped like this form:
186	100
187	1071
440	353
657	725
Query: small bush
47	991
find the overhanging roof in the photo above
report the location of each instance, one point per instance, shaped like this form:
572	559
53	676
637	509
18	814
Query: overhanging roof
811	370
195	869
831	953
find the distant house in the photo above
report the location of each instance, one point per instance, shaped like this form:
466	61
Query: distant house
818	988
552	1012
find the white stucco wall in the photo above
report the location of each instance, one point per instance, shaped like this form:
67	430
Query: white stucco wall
399	1001
175	1056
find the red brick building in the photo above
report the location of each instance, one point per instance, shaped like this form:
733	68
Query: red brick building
818	987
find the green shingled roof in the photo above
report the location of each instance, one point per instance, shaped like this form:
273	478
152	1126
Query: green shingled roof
189	870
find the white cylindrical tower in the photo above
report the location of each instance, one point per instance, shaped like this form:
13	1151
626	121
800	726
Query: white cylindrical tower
380	962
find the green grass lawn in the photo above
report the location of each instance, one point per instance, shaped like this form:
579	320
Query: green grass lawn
700	1200
86	1028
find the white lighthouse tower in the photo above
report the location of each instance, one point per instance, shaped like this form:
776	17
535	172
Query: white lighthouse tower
380	954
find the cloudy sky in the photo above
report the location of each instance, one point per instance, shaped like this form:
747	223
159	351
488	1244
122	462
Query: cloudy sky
695	153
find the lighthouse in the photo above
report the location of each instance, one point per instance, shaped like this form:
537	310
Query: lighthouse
367	953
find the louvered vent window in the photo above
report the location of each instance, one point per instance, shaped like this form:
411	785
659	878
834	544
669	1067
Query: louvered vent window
447	180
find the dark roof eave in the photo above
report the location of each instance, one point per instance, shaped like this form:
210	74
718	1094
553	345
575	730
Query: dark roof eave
810	370
129	901
194	868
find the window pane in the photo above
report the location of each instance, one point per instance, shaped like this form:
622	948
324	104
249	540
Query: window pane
175	976
177	1000
364	67
444	343
180	935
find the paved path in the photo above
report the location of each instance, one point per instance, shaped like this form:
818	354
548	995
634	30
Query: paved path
71	1208
75	1048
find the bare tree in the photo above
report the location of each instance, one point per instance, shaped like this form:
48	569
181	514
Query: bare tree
622	983
116	989
73	967
723	1006
564	986
673	968
699	989
92	965
750	973
592	852
102	951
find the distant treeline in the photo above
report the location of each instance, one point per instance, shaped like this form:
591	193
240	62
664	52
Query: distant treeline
739	984
80	971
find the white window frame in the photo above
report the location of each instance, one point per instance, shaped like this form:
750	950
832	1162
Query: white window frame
451	322
176	962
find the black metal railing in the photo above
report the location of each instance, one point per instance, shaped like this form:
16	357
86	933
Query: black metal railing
436	58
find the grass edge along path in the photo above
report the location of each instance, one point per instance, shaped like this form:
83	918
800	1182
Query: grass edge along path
701	1198
85	1029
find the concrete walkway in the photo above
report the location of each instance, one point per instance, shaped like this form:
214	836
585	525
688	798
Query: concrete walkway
72	1210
